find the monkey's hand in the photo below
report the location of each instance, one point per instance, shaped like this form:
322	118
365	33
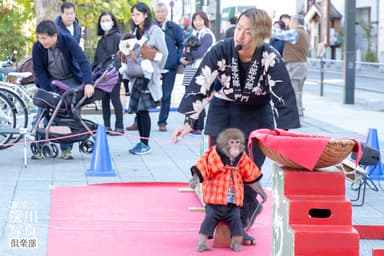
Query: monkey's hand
263	195
193	182
260	190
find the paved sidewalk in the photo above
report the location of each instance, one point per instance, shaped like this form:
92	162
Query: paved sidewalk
25	191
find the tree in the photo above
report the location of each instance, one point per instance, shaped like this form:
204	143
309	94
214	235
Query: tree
19	18
46	9
13	35
367	28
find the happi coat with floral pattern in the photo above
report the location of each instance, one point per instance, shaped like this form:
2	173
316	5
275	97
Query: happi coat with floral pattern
244	89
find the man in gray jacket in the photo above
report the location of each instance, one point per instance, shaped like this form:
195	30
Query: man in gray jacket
295	57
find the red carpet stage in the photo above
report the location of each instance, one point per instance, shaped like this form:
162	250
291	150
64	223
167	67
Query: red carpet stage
136	219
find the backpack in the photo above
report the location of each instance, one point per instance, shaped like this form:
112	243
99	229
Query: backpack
25	65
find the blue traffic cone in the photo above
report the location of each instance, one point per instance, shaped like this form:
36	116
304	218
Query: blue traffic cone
101	164
375	172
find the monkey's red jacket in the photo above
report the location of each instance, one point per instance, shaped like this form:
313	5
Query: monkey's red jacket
216	177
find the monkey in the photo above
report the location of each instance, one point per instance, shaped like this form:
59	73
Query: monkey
225	167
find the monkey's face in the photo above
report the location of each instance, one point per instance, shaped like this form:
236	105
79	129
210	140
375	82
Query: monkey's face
231	142
235	148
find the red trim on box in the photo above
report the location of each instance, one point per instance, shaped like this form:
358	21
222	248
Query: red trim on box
377	252
370	231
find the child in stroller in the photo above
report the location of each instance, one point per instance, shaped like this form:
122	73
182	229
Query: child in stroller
61	121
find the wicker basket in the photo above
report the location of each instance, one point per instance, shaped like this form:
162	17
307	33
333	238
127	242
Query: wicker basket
335	152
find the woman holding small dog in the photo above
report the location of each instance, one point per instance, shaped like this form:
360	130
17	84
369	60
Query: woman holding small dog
146	93
195	48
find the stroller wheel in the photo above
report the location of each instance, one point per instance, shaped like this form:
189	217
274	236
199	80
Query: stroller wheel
87	146
47	151
55	150
33	147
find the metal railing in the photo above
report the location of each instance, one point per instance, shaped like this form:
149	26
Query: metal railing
361	68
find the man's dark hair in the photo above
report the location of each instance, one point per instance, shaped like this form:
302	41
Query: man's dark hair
46	27
233	20
281	24
66	5
282	16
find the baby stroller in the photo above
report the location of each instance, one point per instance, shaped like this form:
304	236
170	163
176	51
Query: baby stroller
61	121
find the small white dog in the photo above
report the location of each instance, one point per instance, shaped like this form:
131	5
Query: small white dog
132	44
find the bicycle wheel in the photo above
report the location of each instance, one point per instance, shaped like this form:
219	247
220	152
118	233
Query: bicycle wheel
7	120
21	111
25	93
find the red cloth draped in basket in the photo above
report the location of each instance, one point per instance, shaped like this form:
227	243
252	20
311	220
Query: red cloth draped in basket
303	149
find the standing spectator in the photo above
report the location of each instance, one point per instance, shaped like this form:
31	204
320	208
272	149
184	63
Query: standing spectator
67	23
58	56
251	75
286	19
196	51
275	42
229	32
145	93
295	56
107	47
174	40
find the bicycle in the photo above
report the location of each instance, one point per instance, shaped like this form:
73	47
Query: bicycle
20	96
7	120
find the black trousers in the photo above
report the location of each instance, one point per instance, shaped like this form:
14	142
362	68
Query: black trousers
215	213
113	97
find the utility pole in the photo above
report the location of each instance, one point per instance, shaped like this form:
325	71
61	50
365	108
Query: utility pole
218	20
350	52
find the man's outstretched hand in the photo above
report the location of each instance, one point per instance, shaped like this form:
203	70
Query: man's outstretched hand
180	132
88	90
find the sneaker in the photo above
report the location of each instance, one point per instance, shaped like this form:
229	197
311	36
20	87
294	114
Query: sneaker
134	148
140	149
162	127
132	127
196	132
37	156
66	154
117	132
247	239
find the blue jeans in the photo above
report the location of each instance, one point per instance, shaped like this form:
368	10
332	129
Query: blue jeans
168	83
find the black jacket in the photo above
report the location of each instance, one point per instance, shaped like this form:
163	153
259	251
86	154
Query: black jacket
62	29
106	46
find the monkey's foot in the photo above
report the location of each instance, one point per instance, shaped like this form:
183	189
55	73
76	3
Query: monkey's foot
202	247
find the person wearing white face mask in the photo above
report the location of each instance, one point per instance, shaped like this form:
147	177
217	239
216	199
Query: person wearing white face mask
107	46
